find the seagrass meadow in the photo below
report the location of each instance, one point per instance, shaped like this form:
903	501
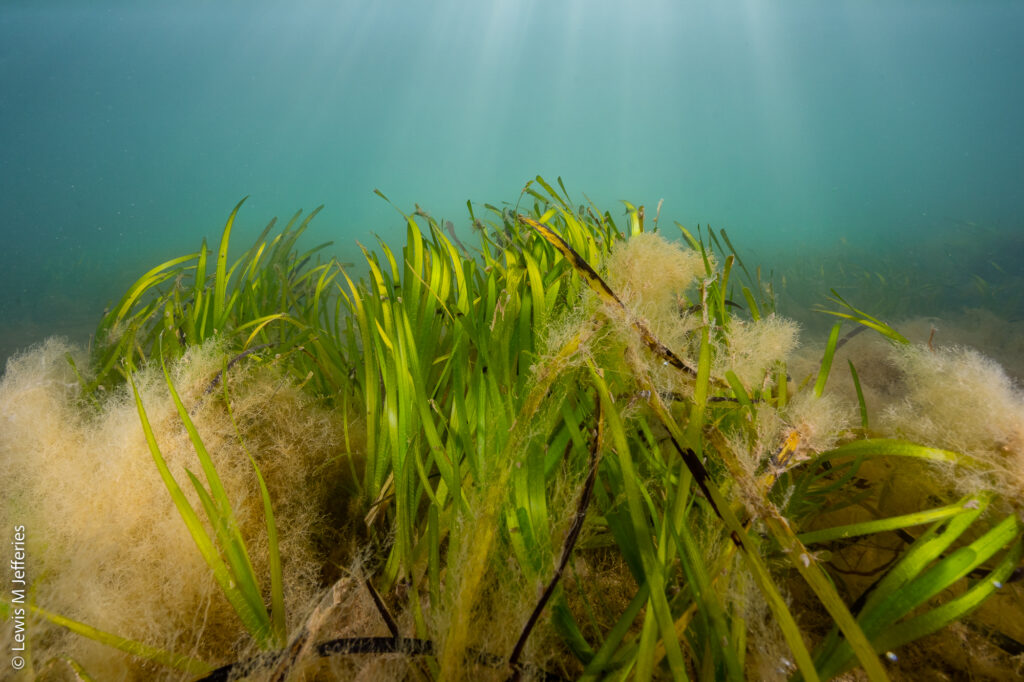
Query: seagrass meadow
573	443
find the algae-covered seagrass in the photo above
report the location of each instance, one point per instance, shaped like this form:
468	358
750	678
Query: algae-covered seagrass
568	449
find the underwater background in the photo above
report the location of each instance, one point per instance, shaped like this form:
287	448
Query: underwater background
875	147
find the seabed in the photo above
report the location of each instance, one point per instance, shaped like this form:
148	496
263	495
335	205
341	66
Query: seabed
560	447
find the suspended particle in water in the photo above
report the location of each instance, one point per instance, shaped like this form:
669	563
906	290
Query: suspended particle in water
787	666
998	585
891	656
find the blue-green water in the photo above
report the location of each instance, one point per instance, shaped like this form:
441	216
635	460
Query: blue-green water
129	130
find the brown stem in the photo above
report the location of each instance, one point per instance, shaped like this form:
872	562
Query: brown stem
567	547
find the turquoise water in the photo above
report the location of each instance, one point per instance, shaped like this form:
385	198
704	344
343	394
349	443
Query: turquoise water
129	130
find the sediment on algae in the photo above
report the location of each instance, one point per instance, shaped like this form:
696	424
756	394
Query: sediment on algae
576	448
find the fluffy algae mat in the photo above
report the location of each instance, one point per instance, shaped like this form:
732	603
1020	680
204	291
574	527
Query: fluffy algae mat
559	447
